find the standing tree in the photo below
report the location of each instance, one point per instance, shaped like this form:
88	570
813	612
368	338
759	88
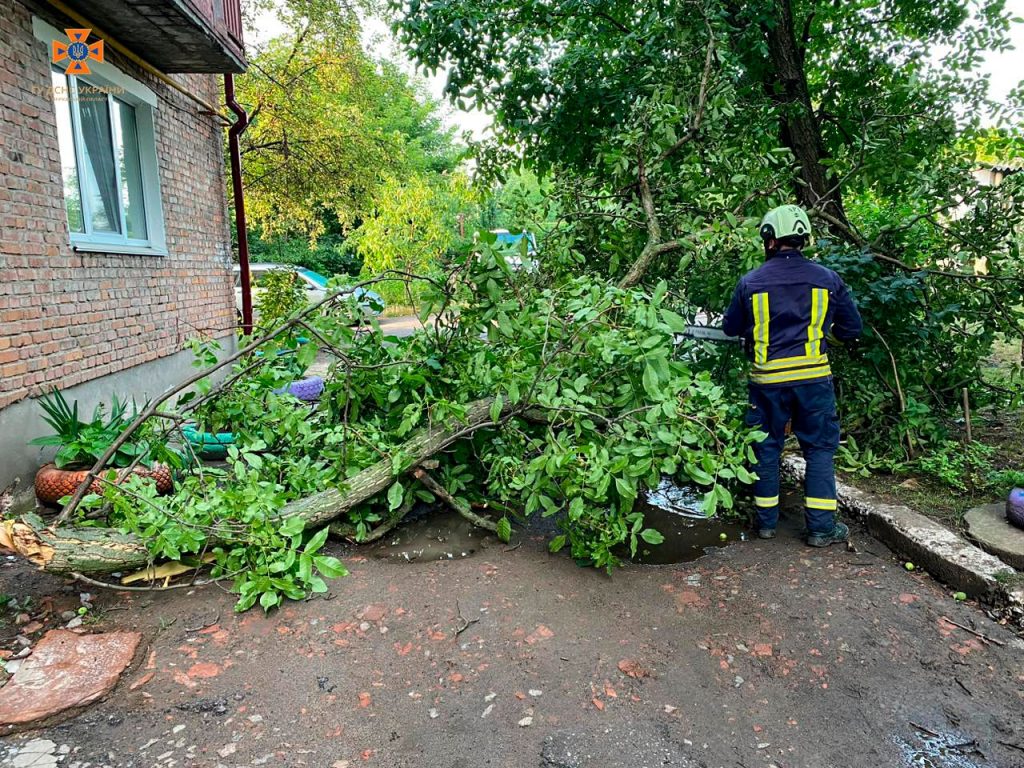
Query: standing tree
670	126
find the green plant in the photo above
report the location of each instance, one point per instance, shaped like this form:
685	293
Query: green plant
853	459
80	443
1002	481
281	294
960	466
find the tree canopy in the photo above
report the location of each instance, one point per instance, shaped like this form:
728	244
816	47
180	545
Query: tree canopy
328	124
669	127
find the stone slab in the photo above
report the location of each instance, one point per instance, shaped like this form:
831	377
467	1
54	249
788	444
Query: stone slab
988	526
66	671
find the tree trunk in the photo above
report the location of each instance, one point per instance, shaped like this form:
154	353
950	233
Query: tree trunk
99	551
73	550
799	131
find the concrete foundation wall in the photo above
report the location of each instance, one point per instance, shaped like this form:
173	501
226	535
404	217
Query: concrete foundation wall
23	421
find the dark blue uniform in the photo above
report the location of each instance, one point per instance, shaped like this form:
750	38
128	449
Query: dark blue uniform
784	310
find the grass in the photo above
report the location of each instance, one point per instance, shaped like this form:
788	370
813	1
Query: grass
1002	430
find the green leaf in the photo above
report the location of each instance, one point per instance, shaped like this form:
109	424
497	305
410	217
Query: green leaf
556	543
330	567
496	406
651	536
292	526
314	544
269	599
504	530
395	495
659	292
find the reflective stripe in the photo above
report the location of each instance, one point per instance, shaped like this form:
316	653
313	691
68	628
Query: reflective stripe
766	501
815	329
817	372
762	320
829	504
780	363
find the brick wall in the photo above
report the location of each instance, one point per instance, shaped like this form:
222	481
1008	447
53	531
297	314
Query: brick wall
66	317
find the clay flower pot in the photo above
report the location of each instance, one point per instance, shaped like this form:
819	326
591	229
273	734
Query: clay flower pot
53	484
308	390
208	445
1015	507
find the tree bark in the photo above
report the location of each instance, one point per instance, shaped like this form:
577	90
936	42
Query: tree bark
98	551
799	130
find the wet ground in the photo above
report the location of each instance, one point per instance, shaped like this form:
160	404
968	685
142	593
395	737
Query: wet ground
758	654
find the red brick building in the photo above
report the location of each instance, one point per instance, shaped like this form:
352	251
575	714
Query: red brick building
114	233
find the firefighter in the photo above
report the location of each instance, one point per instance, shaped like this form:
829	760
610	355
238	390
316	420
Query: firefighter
784	310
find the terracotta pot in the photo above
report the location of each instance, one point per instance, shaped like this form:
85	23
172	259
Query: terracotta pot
53	484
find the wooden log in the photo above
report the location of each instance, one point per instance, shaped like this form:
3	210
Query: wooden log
323	507
97	551
68	550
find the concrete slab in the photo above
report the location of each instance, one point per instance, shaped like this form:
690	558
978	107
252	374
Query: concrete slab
66	671
988	526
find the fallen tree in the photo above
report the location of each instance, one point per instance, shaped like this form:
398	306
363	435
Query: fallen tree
69	550
563	400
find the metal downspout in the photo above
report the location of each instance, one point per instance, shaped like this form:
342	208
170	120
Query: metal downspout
236	185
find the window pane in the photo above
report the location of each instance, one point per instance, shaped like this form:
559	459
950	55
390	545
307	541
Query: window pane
66	141
127	139
99	182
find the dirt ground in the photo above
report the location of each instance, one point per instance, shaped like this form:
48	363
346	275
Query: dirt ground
759	654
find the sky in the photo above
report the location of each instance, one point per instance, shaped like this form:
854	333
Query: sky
1006	68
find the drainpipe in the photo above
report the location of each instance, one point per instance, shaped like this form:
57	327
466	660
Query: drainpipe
236	185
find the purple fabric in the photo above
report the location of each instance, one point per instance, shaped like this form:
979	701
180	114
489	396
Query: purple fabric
1015	507
305	389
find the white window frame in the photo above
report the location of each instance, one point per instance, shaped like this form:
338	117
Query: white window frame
144	101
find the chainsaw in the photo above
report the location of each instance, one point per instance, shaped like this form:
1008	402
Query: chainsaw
707	333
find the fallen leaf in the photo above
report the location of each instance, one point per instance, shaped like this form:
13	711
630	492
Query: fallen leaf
203	669
632	668
763	649
598	703
141	681
540	633
364	700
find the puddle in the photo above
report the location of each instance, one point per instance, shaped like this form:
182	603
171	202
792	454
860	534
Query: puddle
687	536
437	533
432	534
942	750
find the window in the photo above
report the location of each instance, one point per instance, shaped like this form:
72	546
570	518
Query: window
107	141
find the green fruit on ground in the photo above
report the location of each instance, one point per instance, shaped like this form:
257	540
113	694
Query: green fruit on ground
909	566
723	536
959	596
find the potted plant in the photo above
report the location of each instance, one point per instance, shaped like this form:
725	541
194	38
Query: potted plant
81	443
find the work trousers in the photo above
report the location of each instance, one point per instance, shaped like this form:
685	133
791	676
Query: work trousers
811	408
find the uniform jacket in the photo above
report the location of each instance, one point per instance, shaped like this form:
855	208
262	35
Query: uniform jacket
783	310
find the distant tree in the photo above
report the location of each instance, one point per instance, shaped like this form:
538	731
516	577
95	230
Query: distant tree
328	125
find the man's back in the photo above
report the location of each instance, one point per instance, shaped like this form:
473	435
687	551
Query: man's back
784	309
